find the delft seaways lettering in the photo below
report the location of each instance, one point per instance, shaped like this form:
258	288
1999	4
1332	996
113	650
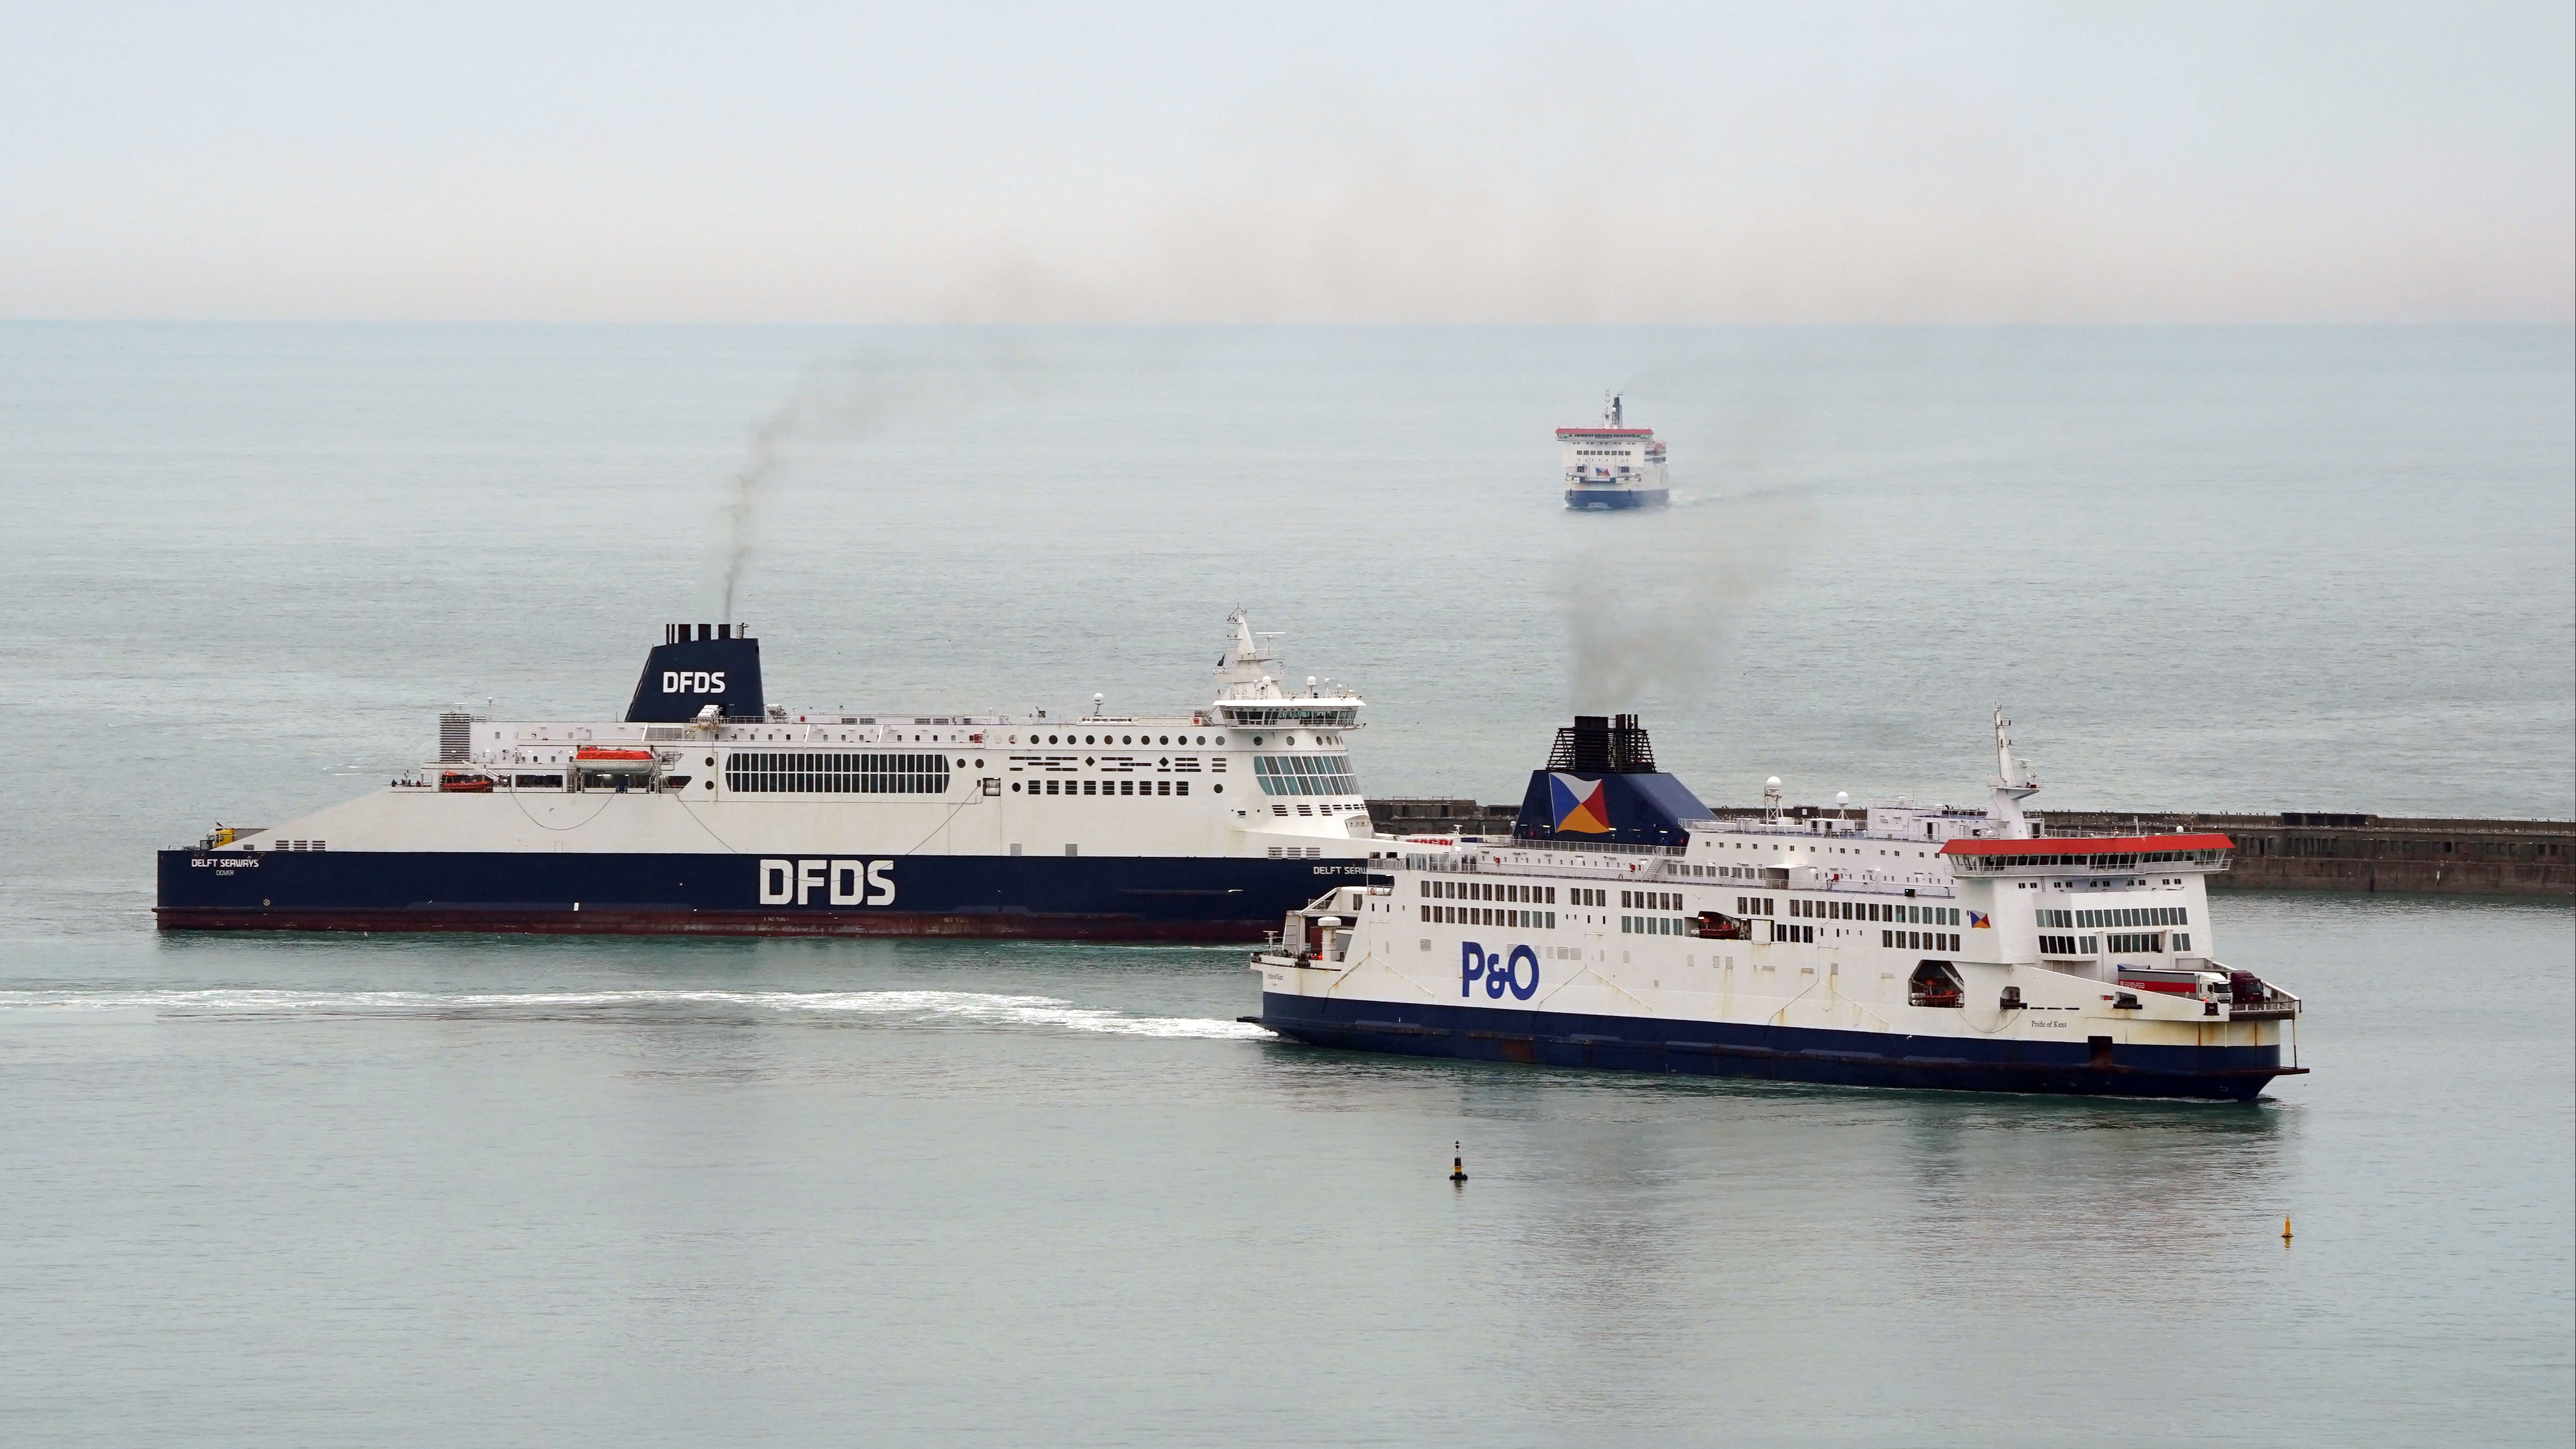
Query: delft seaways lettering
1499	973
826	882
693	681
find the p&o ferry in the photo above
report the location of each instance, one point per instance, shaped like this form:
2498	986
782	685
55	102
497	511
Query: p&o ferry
1622	926
1613	465
707	809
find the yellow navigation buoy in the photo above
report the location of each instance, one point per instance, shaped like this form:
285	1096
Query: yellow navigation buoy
1458	1164
2285	1230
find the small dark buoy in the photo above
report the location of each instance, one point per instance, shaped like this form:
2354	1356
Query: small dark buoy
1458	1164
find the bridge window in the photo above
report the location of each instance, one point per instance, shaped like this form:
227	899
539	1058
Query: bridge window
1305	774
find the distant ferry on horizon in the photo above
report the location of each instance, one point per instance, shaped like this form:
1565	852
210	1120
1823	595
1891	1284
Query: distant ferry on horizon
709	810
1622	926
1613	465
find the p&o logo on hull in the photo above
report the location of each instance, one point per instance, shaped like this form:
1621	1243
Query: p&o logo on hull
1498	972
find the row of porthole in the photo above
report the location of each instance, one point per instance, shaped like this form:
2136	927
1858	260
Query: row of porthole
1110	787
1289	740
961	763
1113	740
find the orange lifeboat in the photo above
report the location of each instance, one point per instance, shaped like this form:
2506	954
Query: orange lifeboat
594	752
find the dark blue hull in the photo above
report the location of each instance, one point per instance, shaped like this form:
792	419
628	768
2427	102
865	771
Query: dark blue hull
1775	1053
1601	498
1100	898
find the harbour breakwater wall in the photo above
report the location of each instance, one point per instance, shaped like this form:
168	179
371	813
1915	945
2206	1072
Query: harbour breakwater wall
2291	850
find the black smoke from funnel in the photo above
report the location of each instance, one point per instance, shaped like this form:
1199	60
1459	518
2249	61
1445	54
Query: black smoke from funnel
840	406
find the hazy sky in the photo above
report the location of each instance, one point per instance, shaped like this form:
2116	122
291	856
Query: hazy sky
1309	162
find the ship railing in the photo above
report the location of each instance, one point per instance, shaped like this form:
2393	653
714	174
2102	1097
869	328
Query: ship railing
1925	889
1605	847
1470	844
2276	1005
1473	865
1756	825
2076	857
1839	828
1473	857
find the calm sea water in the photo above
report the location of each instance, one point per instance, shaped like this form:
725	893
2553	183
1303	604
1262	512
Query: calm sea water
440	1191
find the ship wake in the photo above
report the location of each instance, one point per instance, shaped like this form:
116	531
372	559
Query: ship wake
971	1010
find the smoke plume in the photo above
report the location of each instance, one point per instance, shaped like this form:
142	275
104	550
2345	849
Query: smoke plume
1653	612
837	407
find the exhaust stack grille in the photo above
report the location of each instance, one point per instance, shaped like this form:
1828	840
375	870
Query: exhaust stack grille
1603	745
455	737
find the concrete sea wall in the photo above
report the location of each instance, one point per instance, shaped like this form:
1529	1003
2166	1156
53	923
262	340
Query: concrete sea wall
2291	850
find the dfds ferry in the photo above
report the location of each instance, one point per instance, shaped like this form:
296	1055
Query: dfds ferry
1613	465
1906	946
709	810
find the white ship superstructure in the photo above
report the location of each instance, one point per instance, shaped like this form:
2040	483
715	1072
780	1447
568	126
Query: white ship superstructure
1613	465
1916	946
707	809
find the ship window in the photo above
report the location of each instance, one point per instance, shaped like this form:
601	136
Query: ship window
784	772
1091	787
1305	774
1182	787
